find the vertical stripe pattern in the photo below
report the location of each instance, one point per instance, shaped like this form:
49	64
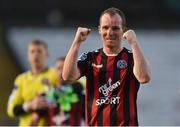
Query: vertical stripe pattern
105	71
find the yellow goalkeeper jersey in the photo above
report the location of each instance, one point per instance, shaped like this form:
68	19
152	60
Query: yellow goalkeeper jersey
26	87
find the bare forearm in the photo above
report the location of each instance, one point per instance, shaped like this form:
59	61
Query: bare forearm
70	64
70	70
141	68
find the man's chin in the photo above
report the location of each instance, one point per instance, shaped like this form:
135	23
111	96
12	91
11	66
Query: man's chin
112	44
112	41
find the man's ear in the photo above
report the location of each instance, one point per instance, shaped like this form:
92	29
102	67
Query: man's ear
99	29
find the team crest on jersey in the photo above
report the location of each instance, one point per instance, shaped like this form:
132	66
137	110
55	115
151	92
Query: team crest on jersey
45	81
122	64
82	57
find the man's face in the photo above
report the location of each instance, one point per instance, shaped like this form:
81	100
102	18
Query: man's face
110	30
37	55
59	68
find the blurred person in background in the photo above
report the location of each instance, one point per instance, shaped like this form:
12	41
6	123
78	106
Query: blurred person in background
113	73
26	101
69	98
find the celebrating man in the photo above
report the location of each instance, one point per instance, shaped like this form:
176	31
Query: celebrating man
113	73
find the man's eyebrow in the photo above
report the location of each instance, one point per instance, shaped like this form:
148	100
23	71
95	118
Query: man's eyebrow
119	26
104	25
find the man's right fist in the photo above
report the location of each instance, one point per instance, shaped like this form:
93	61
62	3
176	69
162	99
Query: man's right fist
81	34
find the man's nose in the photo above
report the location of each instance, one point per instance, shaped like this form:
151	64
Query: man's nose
110	32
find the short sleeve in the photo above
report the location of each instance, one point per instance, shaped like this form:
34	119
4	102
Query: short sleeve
82	63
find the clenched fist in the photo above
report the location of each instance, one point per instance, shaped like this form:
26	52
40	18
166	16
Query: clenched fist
81	34
130	36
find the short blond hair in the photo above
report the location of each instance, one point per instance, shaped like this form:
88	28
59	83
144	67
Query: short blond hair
39	42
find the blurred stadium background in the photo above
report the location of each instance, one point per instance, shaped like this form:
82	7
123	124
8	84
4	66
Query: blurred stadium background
55	21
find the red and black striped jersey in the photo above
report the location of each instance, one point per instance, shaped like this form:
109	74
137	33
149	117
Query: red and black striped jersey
111	88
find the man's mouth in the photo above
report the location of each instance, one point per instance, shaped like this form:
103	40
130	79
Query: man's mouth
111	39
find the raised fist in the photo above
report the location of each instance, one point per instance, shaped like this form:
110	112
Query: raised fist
130	36
81	34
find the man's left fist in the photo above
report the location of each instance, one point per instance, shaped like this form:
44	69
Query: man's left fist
130	36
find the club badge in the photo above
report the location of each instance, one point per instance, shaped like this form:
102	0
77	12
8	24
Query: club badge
121	64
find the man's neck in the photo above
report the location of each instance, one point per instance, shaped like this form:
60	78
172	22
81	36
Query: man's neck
37	70
112	51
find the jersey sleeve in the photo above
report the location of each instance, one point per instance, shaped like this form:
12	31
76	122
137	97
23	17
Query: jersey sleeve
15	98
82	63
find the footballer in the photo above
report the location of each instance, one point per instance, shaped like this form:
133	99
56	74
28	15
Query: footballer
113	73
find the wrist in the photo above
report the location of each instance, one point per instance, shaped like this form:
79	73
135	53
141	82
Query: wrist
27	107
133	43
76	44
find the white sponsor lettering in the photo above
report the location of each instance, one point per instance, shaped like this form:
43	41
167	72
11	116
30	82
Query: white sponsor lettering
105	89
111	100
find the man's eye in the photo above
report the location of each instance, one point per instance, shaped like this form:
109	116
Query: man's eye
32	51
39	51
116	28
105	27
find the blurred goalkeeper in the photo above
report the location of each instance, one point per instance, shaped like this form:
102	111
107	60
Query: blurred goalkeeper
26	101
